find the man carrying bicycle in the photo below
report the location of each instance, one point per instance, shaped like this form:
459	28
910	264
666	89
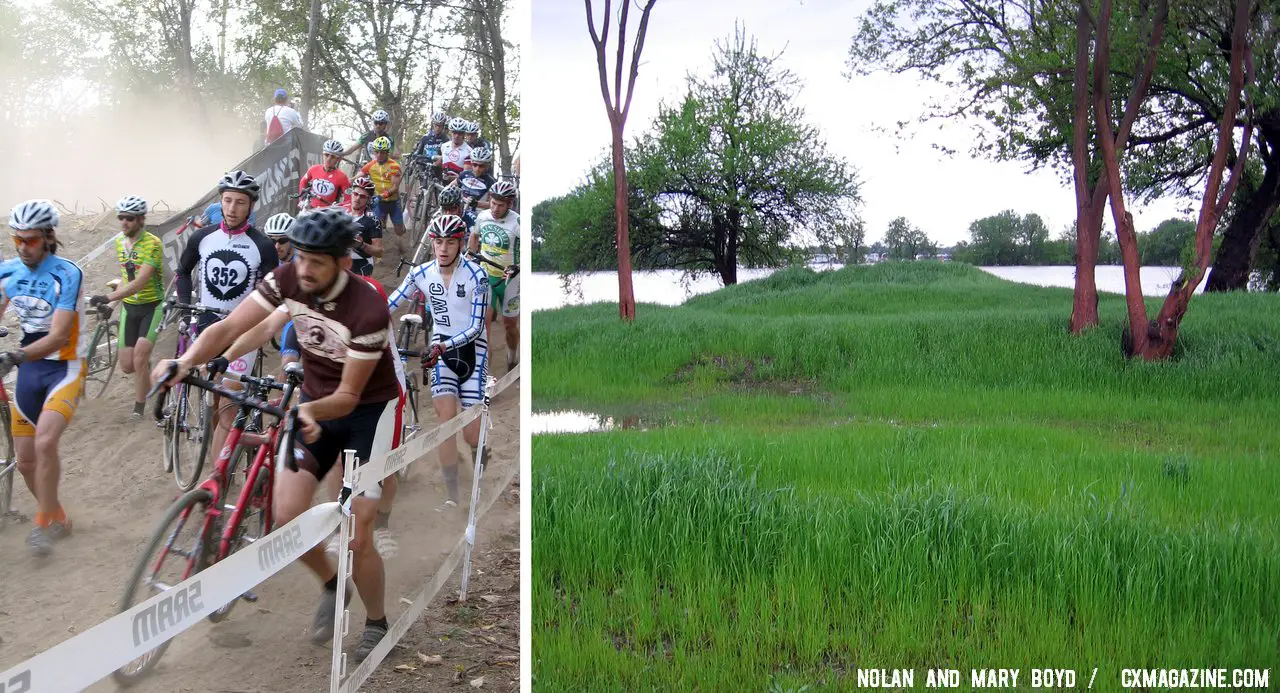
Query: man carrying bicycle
141	258
230	259
349	396
324	183
497	239
385	174
381	128
457	292
368	228
44	290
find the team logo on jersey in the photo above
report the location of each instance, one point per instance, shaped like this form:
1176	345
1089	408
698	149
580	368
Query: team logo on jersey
323	187
318	337
226	275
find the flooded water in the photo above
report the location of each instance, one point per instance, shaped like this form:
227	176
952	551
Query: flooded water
573	421
669	287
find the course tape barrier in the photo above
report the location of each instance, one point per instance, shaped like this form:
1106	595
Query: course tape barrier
368	475
78	663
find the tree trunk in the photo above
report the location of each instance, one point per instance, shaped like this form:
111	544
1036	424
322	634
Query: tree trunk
626	293
492	21
308	63
1234	260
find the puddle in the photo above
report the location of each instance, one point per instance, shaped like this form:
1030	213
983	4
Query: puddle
573	421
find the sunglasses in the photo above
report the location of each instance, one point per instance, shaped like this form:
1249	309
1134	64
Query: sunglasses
126	217
21	242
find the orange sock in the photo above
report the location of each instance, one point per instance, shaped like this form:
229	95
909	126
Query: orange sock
43	520
61	516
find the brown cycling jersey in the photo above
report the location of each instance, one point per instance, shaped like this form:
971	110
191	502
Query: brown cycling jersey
349	322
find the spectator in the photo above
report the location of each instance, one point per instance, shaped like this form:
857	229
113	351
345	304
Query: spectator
280	118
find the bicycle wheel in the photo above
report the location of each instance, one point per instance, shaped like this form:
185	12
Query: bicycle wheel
191	438
167	548
8	462
254	524
101	360
410	426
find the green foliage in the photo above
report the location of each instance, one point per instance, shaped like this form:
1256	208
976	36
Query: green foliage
903	241
909	463
1169	243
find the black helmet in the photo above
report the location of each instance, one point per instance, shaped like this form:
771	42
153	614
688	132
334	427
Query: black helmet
239	181
450	197
329	231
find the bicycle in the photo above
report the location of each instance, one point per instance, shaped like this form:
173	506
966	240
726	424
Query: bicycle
8	456
220	529
189	414
103	353
409	324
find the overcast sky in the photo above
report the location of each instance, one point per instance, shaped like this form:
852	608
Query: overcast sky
569	129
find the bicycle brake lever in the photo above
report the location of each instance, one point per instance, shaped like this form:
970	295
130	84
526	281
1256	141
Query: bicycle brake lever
290	431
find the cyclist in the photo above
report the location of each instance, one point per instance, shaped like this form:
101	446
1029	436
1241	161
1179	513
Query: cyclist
451	203
473	136
141	258
429	144
454	153
44	290
476	182
325	180
368	227
385	174
230	259
212	215
277	229
457	294
348	398
381	128
497	238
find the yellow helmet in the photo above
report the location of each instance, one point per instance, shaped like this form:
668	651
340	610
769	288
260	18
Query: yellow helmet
382	144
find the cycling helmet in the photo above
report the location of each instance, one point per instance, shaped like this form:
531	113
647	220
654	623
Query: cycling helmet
439	117
382	144
328	231
32	215
365	183
131	204
504	189
447	226
333	147
450	197
381	117
457	125
239	181
482	155
473	127
278	225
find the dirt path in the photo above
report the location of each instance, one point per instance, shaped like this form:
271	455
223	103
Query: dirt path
115	490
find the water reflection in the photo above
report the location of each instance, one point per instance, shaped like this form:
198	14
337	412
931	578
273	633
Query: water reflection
573	421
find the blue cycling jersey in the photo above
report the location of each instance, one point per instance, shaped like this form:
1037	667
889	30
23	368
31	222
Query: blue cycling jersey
214	214
36	293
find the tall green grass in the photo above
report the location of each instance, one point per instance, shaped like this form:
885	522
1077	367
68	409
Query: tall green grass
901	466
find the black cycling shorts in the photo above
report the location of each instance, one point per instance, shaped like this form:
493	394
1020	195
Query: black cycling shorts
371	430
141	321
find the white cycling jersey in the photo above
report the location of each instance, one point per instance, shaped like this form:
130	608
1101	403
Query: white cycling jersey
454	157
499	240
457	310
229	265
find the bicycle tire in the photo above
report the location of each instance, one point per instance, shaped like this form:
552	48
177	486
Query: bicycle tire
101	366
187	474
259	520
410	425
167	430
171	525
8	461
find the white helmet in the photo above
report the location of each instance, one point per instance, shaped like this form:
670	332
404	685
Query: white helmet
333	147
33	214
473	128
439	117
132	204
503	189
457	125
381	117
278	225
482	155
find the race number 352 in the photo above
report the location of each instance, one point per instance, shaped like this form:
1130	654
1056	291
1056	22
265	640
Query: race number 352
18	684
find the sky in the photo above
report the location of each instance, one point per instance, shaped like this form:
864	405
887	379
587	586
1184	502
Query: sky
565	115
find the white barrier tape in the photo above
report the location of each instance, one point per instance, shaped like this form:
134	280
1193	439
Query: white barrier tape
93	254
428	593
341	616
78	663
368	475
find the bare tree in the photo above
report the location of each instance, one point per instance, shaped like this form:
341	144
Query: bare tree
617	108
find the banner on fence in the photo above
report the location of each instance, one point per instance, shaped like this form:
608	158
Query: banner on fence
278	168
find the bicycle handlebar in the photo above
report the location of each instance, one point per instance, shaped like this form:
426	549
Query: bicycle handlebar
172	304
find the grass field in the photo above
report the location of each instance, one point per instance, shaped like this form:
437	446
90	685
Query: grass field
901	466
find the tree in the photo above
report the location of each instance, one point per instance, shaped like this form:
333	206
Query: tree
903	241
1007	239
1168	244
1154	340
736	170
617	108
